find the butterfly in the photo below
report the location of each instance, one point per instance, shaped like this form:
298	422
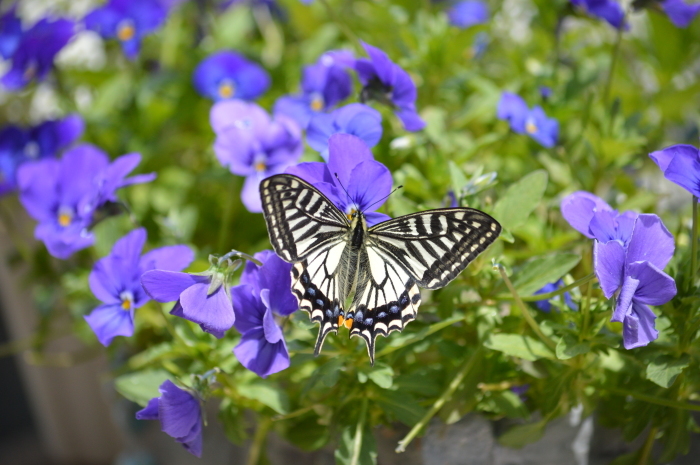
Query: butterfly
340	262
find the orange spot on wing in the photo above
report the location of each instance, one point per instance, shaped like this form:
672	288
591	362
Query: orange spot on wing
348	323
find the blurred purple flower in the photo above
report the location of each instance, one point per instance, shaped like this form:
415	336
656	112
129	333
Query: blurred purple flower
681	165
512	108
545	92
367	181
226	75
323	85
180	415
680	13
355	119
203	298
18	145
249	143
128	21
388	83
545	305
468	13
608	10
33	56
263	293
63	195
10	32
595	219
636	271
116	281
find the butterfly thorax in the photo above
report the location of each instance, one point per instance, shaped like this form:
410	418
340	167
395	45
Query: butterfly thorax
358	228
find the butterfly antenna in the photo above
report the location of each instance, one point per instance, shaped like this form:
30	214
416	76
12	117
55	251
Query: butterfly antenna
384	198
341	185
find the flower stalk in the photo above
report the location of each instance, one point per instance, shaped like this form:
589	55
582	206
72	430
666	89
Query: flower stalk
456	382
694	243
524	310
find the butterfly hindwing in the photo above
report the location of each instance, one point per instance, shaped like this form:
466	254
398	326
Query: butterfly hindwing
435	245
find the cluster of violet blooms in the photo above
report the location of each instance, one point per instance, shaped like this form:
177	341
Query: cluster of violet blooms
679	12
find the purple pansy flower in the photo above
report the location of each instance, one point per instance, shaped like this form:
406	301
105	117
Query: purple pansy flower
366	181
594	218
545	305
512	108
116	281
180	415
355	119
468	13
636	272
680	13
226	75
33	56
63	195
323	85
203	298
263	293
388	83
609	10
251	144
18	145
128	21
10	32
680	164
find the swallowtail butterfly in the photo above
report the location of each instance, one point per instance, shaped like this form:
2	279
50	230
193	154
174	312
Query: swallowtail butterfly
379	269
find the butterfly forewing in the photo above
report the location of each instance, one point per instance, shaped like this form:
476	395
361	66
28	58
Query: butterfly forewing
436	245
300	219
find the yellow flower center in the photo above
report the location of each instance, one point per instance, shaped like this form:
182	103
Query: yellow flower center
65	217
126	304
260	166
317	103
126	30
531	127
226	89
352	214
127	300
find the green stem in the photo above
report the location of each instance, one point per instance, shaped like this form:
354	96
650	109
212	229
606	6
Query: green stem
613	63
461	374
585	313
694	243
524	310
359	429
550	295
655	400
645	451
259	441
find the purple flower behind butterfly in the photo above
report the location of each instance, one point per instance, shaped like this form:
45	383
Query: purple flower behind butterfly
388	83
366	181
227	75
33	56
116	281
63	195
355	119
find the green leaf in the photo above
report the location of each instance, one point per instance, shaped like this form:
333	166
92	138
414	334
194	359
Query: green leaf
401	405
142	386
520	436
233	421
568	347
367	455
459	180
520	200
664	370
517	345
271	396
543	270
307	433
509	404
382	376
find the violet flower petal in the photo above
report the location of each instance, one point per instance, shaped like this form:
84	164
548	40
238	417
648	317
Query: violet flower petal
578	209
150	411
168	258
273	333
624	300
655	286
684	170
110	320
214	313
650	241
639	327
609	265
178	410
166	286
259	356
